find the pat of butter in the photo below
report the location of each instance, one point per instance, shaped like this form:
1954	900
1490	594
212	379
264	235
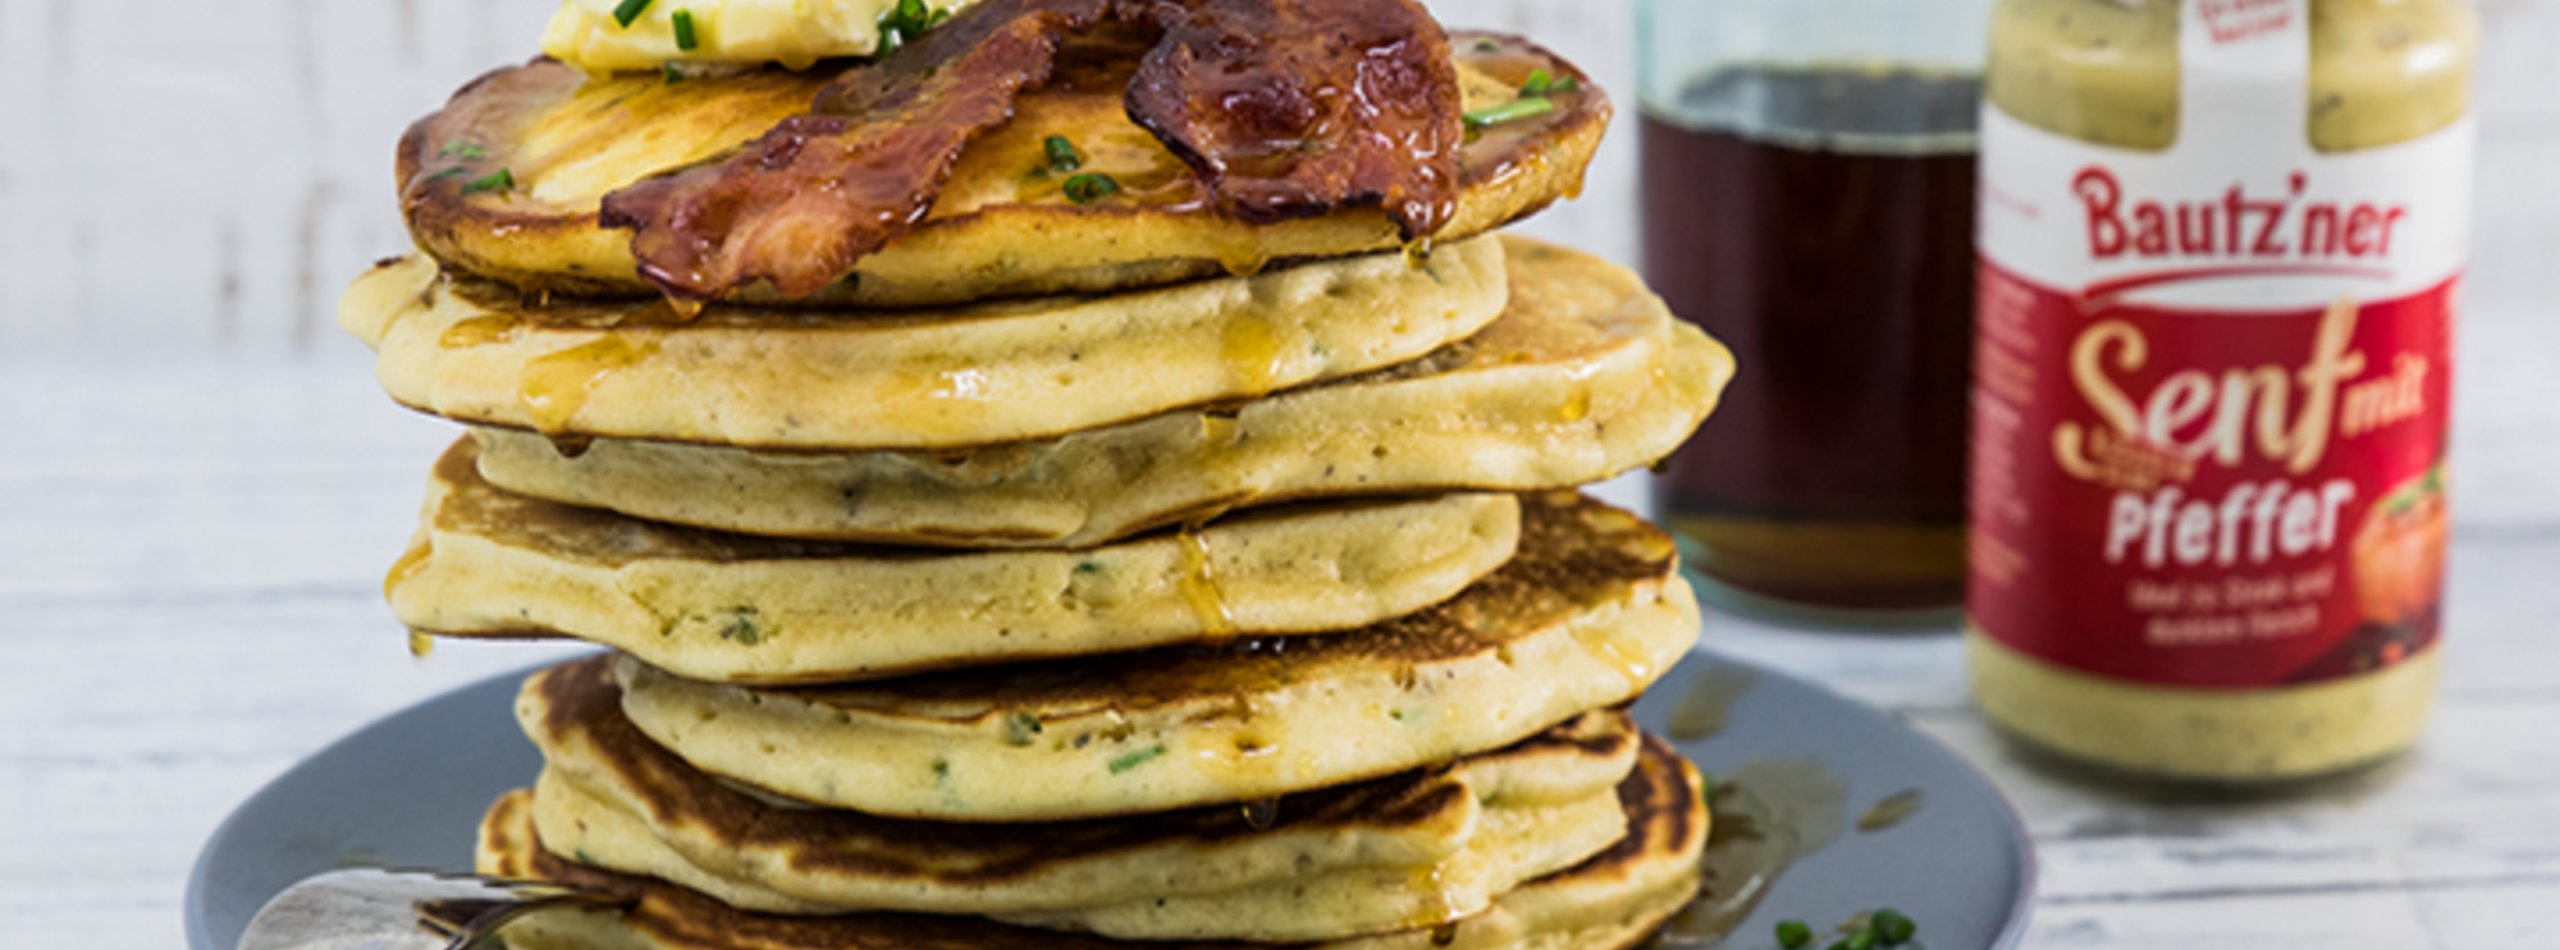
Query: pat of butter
795	33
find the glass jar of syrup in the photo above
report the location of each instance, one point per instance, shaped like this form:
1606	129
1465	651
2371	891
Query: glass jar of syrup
1808	175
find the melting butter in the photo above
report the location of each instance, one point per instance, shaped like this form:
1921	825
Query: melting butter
794	33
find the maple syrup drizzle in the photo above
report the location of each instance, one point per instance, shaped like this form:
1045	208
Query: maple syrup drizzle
1252	348
480	331
412	563
1199	585
1261	814
556	386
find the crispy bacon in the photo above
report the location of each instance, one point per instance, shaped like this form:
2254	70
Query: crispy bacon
801	204
1284	108
1295	107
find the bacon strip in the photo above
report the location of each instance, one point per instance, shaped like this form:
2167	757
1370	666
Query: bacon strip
1284	107
801	204
1292	108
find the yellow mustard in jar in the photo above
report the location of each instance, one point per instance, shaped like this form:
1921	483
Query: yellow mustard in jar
2221	241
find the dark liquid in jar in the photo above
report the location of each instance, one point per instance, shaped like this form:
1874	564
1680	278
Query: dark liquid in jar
1819	221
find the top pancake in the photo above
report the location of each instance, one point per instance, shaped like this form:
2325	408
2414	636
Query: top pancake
1002	225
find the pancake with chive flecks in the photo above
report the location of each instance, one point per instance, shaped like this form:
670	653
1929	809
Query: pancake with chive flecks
1616	900
957	376
1415	849
1589	612
743	609
1585	375
1002	226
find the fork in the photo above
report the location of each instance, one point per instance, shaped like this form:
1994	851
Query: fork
368	909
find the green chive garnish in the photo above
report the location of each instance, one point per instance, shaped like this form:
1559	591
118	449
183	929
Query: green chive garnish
1892	927
1135	759
455	171
674	74
1090	187
462	150
1862	940
628	11
1509	111
1062	154
500	180
901	24
1793	934
686	39
1541	82
1021	728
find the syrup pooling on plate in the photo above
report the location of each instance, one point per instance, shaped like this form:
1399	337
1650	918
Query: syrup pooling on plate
1768	815
1707	705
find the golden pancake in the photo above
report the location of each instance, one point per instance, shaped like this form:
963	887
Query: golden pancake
1585	376
733	608
1002	225
1614	901
1587	614
1411	850
961	376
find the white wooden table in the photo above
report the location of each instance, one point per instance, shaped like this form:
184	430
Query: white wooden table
200	489
190	555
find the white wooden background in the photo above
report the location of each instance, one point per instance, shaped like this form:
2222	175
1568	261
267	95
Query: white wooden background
199	488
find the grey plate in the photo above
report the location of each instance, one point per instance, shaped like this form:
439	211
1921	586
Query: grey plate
408	791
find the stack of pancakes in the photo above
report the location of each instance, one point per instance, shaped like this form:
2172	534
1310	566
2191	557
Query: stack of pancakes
1075	573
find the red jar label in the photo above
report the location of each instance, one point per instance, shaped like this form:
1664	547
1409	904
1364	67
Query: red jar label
2211	382
2182	496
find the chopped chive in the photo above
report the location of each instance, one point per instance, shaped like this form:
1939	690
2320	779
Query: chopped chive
1020	728
1509	111
1794	934
500	180
1135	759
1542	82
1090	187
674	74
901	24
629	11
463	150
742	628
1062	154
686	38
1862	940
1893	927
455	171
